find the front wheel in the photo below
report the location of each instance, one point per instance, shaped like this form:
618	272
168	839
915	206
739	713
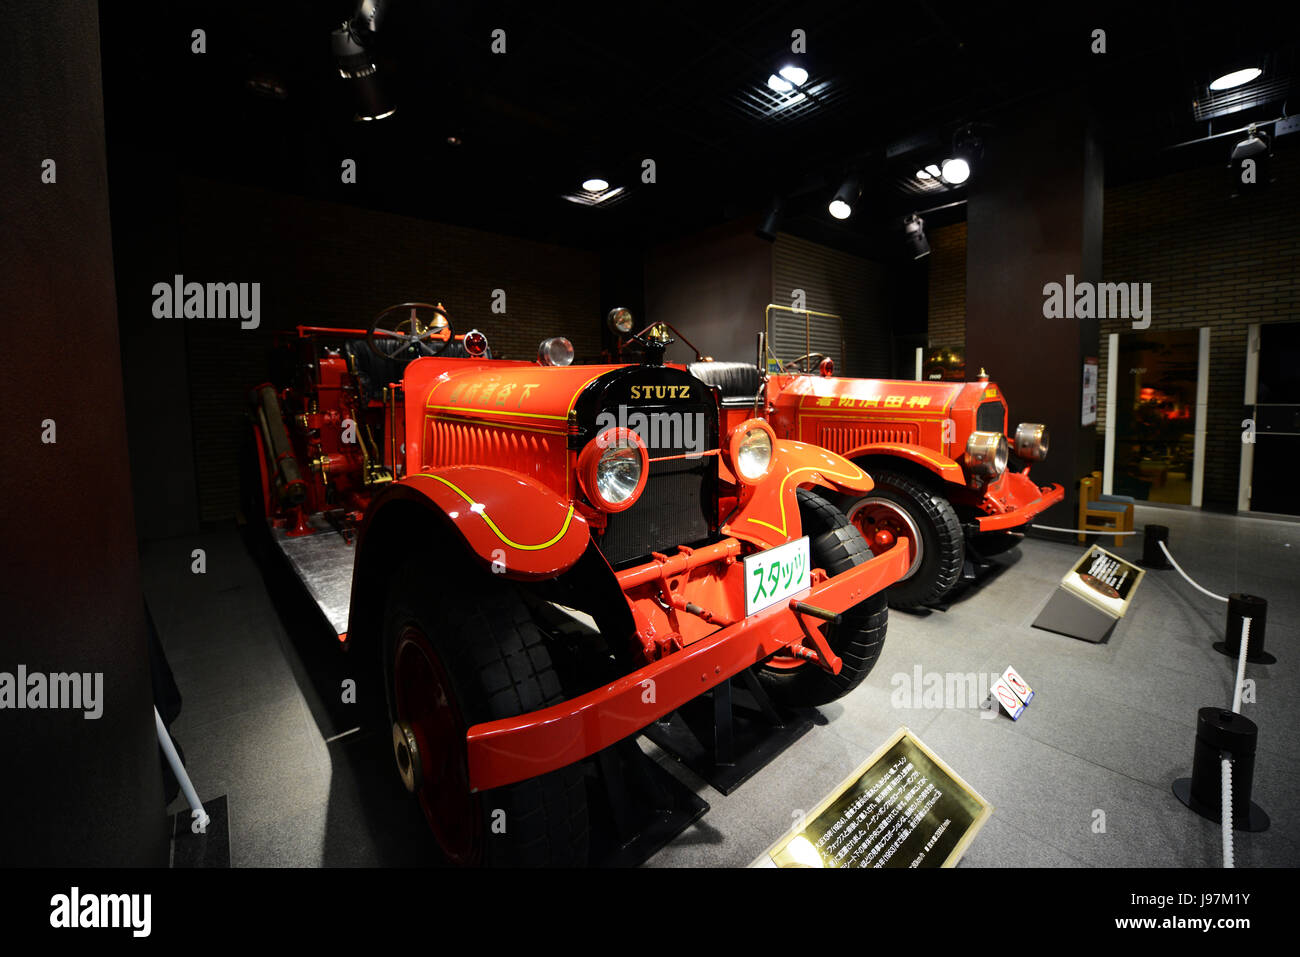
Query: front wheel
900	506
451	661
835	546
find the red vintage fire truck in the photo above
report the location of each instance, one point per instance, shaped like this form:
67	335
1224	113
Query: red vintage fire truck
939	454
436	502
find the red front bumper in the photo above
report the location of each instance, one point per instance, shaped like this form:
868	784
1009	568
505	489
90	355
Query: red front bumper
513	749
1022	499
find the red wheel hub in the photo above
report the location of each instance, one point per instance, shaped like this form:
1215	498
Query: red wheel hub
427	706
882	522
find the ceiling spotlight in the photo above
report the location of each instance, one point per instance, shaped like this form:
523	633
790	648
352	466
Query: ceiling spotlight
955	171
932	169
787	79
914	230
1253	145
795	74
351	44
1236	78
595	185
841	207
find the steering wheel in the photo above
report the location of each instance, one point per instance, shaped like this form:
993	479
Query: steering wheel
793	364
401	329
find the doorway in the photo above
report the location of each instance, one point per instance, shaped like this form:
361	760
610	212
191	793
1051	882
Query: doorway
1155	416
1275	412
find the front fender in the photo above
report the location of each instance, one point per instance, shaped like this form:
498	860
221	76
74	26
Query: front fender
769	516
938	463
515	525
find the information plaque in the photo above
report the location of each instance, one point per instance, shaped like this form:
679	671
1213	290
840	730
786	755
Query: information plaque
1092	596
904	807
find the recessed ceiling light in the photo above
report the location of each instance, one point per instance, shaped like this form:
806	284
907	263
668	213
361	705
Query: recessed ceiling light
955	171
924	174
595	185
588	198
1236	78
795	74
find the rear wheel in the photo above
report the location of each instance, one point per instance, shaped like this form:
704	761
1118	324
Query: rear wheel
453	662
900	506
835	546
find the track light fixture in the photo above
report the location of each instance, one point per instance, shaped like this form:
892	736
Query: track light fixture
1248	167
850	191
352	46
914	230
967	147
771	221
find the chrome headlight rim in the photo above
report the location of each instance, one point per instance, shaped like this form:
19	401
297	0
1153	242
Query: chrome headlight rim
602	457
747	438
987	454
1032	441
555	351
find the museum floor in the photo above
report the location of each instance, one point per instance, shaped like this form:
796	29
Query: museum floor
1111	726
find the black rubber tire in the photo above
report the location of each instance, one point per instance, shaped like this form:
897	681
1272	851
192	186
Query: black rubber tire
942	539
497	660
835	546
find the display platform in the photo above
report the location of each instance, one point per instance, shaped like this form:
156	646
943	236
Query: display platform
323	562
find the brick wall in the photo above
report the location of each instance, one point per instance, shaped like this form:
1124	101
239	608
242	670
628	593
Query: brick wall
947	286
1212	261
328	264
853	288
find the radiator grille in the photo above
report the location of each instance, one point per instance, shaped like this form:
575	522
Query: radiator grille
673	510
461	443
991	417
842	440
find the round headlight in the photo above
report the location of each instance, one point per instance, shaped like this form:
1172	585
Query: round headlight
613	469
1031	441
986	453
620	320
475	343
751	450
556	351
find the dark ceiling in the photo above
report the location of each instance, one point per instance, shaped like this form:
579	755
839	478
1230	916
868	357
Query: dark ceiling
601	88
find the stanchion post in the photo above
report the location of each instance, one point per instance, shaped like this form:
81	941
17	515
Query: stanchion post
1152	556
1219	731
1256	609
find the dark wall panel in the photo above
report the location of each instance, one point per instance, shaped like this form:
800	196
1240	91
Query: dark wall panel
328	264
1033	218
75	791
713	288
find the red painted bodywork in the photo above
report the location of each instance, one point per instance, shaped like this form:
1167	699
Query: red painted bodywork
502	752
485	444
861	418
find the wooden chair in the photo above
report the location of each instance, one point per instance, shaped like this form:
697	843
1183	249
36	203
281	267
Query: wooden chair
1098	485
1103	513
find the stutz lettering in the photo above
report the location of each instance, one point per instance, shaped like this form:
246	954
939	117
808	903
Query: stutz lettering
660	392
